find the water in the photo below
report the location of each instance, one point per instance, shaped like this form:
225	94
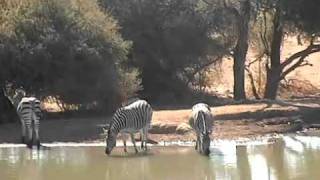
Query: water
294	158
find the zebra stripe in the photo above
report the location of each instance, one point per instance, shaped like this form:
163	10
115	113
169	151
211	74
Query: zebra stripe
201	121
130	119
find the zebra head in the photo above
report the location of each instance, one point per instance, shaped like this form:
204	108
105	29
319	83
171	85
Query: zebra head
110	141
205	144
19	93
204	134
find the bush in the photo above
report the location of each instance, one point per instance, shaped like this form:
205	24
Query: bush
68	49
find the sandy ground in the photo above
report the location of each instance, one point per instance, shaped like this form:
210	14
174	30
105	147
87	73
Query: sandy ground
224	83
248	120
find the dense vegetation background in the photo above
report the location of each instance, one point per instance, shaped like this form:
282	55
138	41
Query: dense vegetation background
96	54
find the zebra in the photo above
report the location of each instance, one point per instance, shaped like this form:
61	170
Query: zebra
201	121
30	113
129	119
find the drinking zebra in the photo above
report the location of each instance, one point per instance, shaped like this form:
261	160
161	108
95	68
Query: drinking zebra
201	121
29	112
129	119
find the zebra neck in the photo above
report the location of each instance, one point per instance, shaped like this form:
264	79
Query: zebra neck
114	129
117	123
16	100
201	118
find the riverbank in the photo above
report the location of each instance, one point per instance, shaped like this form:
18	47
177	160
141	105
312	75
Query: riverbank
246	120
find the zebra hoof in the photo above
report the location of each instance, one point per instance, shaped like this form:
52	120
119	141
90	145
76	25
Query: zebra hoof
207	152
29	145
38	145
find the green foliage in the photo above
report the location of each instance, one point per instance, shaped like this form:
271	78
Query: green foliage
129	83
303	15
171	40
63	48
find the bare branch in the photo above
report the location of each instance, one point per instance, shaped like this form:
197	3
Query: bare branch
253	86
299	63
209	3
306	64
312	48
254	61
201	67
267	66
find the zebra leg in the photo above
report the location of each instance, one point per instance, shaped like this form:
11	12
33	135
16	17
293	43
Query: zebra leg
201	144
123	137
134	142
124	146
29	129
36	130
145	138
141	138
36	125
197	142
23	133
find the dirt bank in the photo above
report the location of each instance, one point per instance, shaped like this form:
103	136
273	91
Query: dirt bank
231	121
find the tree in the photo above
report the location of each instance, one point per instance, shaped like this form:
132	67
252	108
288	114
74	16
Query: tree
171	43
69	49
241	49
290	17
238	13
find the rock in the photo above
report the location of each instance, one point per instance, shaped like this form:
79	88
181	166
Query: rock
183	128
162	128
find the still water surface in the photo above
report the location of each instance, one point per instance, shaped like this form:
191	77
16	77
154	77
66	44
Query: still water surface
294	158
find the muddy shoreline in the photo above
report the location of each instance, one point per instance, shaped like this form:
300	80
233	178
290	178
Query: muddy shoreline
235	121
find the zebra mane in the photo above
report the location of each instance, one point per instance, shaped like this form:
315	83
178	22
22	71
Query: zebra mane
17	97
108	127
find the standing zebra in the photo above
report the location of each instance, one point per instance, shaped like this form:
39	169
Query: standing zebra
130	119
29	112
201	121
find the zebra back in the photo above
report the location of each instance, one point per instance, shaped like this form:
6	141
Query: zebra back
201	118
29	106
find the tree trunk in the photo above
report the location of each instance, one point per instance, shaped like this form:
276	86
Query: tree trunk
272	83
240	52
274	71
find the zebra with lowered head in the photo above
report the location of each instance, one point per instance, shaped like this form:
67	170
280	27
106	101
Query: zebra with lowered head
201	121
130	119
30	113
